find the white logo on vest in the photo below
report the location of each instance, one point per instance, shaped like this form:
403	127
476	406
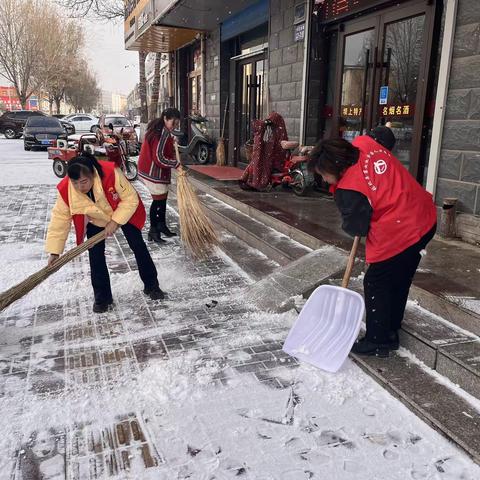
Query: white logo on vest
380	167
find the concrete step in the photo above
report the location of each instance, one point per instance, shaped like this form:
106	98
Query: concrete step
427	289
442	405
276	246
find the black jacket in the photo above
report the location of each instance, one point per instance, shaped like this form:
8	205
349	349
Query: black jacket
356	212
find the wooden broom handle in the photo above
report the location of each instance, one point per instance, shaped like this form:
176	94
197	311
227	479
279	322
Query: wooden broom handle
351	262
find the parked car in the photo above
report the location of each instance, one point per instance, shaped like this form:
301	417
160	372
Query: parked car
83	122
59	115
42	131
121	124
68	126
12	123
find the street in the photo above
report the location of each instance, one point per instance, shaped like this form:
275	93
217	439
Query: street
196	386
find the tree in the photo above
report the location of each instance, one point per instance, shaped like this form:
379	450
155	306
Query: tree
23	34
112	10
142	87
57	70
82	91
155	87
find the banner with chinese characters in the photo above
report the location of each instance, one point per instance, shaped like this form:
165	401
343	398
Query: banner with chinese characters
351	111
404	110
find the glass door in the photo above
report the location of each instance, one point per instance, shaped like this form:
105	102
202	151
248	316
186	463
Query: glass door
250	103
382	72
400	93
358	58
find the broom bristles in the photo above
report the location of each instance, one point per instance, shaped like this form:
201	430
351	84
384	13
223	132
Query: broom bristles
220	153
196	230
18	291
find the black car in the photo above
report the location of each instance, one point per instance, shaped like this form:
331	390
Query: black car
42	131
12	123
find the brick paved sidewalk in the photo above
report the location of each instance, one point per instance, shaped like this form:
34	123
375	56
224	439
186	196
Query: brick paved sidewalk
184	388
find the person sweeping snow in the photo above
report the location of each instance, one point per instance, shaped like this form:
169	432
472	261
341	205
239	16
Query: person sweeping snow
379	199
155	163
96	196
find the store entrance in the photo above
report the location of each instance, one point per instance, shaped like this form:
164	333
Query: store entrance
382	71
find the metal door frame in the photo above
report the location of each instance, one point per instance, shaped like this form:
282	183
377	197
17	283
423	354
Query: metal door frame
379	20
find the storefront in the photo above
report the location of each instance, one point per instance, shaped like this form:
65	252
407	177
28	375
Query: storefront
372	63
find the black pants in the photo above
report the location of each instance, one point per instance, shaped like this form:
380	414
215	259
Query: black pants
98	265
386	286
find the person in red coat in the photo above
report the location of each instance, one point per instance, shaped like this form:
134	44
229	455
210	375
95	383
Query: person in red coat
379	199
155	163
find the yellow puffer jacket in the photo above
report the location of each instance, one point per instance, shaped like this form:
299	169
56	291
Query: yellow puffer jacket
99	212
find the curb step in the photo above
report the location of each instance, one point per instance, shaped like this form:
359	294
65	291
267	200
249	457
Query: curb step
437	404
431	301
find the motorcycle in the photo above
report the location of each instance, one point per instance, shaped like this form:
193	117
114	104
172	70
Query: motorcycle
200	147
116	149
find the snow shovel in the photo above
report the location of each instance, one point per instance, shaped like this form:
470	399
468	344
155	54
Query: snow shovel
328	324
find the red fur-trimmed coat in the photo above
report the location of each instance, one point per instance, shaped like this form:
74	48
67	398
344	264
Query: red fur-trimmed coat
157	158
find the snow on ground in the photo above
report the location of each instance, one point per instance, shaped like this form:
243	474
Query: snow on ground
184	388
23	168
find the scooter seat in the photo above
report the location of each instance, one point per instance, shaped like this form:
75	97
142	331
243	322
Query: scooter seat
289	145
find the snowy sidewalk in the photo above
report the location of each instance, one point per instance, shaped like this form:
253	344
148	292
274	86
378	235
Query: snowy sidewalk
182	388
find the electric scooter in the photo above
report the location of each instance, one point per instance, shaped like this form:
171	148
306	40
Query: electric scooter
200	147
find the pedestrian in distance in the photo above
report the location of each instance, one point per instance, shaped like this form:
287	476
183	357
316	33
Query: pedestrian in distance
379	199
155	163
96	196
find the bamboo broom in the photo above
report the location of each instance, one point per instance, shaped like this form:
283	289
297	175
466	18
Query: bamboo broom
18	291
196	230
220	152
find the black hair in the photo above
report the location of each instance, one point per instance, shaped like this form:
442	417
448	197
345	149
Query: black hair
384	136
333	156
155	127
84	164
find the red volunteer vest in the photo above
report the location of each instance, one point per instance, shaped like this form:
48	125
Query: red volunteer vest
108	183
403	211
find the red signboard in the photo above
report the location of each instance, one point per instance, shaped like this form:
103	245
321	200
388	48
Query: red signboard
10	101
333	9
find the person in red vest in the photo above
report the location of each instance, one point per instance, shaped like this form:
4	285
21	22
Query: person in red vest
155	163
96	196
379	199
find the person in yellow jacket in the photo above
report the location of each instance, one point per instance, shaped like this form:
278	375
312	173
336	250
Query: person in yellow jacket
96	196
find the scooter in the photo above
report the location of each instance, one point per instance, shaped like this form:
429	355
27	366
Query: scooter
295	173
200	147
116	149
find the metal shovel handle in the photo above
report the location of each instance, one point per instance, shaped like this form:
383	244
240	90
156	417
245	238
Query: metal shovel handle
351	262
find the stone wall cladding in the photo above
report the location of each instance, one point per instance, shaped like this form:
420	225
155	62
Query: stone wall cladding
212	82
459	169
285	66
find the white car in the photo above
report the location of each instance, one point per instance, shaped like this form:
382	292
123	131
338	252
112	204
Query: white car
83	122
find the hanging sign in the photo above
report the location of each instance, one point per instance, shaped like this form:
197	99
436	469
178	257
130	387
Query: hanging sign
383	100
404	110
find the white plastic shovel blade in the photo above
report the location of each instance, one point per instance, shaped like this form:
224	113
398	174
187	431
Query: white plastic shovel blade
326	328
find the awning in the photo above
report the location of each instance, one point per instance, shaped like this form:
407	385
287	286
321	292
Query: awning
199	14
162	39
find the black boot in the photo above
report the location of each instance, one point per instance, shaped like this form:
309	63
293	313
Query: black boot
162	220
102	307
154	235
368	348
155	293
